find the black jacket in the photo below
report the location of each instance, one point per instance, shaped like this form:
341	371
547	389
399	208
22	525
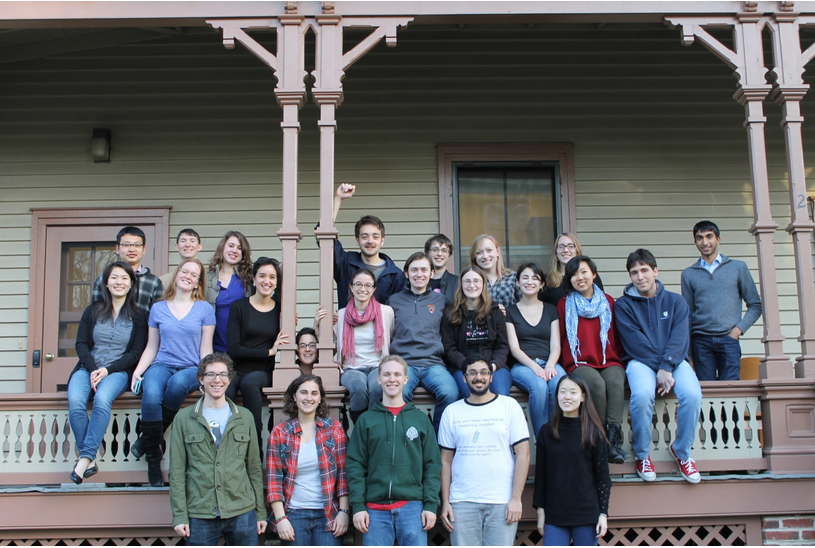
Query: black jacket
495	348
127	362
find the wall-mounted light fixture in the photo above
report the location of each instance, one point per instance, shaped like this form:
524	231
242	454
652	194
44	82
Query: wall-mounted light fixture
100	145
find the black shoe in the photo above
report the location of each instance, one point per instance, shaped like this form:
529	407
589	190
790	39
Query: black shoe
154	475
616	455
91	471
137	450
74	476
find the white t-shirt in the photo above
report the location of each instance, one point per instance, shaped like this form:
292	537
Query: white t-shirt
482	437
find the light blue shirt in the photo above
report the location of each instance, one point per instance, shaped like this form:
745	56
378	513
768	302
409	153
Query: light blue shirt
711	267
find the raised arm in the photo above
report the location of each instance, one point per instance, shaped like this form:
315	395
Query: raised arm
344	191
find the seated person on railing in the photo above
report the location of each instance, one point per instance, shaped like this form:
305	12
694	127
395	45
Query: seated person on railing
111	336
653	326
305	470
417	337
362	335
216	476
180	335
591	349
473	324
253	338
533	330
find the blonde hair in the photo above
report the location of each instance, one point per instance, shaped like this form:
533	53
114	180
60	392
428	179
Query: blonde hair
499	261
198	294
555	275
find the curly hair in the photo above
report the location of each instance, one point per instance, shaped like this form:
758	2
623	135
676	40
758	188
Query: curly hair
244	267
289	403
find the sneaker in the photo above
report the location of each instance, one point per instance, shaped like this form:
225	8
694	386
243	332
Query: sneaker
645	469
687	468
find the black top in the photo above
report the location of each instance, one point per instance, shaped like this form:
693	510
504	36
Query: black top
494	345
553	295
127	362
533	339
572	485
250	334
446	285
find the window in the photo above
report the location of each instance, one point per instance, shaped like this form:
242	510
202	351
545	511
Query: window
521	194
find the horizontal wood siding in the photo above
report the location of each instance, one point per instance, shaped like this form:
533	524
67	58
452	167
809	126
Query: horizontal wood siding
658	143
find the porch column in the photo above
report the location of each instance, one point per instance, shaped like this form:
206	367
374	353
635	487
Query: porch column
789	90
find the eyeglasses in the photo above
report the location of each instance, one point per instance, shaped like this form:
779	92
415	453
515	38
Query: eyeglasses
303	346
130	245
476	374
194	276
474	281
360	285
439	250
561	247
211	376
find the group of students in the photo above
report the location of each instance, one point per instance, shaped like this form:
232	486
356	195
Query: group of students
557	336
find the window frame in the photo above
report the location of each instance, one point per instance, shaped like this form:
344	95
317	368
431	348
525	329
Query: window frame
451	154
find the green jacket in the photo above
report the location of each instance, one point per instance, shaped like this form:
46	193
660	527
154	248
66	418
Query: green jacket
203	481
392	458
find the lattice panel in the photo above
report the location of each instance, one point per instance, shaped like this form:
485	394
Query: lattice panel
125	541
683	535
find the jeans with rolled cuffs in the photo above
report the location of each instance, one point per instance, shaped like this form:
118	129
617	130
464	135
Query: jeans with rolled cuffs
363	387
501	383
542	397
168	386
438	381
90	432
309	529
403	524
241	530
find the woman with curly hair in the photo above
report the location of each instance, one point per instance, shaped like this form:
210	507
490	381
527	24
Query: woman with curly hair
305	470
472	325
229	278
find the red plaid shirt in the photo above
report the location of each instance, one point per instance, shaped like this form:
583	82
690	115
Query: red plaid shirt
281	464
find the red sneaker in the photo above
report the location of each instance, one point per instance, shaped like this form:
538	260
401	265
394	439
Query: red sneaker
645	469
687	468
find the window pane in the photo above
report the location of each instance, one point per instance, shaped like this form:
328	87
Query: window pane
79	264
514	204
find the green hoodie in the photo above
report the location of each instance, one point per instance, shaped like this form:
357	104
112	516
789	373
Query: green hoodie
393	458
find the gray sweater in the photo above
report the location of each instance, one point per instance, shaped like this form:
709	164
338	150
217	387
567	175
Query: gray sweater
417	327
715	299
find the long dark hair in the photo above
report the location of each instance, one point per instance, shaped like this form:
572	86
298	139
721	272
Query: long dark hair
289	403
263	261
571	269
457	311
591	429
244	266
103	310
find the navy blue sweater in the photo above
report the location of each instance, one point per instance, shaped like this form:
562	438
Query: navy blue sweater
653	331
391	280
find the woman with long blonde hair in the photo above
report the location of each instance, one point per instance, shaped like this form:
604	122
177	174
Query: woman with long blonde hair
180	332
485	253
565	248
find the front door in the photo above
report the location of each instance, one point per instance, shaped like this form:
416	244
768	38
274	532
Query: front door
66	261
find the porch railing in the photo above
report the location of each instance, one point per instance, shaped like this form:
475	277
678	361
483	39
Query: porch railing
37	446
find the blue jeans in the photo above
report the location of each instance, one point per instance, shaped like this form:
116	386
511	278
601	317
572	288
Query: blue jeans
716	358
541	393
403	524
241	530
438	381
643	381
363	387
583	535
168	386
479	524
89	433
501	383
309	529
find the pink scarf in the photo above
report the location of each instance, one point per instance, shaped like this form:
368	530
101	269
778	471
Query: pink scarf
373	312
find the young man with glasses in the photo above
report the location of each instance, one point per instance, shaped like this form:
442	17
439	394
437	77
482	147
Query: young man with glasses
130	248
216	491
440	250
484	432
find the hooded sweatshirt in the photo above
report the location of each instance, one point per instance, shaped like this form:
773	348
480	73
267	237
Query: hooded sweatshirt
393	458
653	331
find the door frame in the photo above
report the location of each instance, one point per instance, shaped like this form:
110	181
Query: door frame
159	217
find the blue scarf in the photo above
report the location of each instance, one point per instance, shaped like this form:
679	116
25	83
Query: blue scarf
578	307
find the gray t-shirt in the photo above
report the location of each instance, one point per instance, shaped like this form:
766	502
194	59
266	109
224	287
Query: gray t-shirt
307	492
217	419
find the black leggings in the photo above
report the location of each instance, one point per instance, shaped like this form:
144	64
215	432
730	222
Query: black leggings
251	385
